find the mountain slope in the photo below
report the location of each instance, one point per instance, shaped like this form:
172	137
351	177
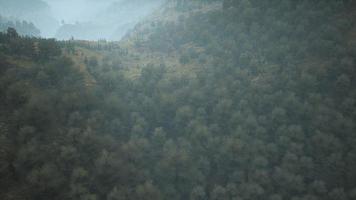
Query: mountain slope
231	100
111	22
35	11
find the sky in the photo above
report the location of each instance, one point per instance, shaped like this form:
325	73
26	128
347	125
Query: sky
98	19
72	11
81	19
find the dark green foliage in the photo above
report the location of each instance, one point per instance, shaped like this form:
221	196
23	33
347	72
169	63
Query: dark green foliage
268	112
35	48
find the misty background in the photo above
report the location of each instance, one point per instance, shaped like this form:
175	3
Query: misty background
79	19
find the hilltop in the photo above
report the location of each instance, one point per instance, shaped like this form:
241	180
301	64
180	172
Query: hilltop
22	27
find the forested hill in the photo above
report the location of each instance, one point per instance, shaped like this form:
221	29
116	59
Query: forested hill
207	100
23	28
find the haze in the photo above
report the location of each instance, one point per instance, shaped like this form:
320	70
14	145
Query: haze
80	19
72	11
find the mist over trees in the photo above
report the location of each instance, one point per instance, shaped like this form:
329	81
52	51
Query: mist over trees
203	100
22	27
112	21
32	11
81	19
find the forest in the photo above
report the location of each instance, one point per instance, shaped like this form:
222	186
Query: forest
201	100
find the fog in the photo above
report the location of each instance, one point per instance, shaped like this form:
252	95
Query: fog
72	11
80	19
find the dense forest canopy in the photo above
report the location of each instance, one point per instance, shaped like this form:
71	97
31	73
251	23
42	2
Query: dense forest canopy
203	100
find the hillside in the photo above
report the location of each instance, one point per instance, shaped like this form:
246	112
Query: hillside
32	11
203	100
